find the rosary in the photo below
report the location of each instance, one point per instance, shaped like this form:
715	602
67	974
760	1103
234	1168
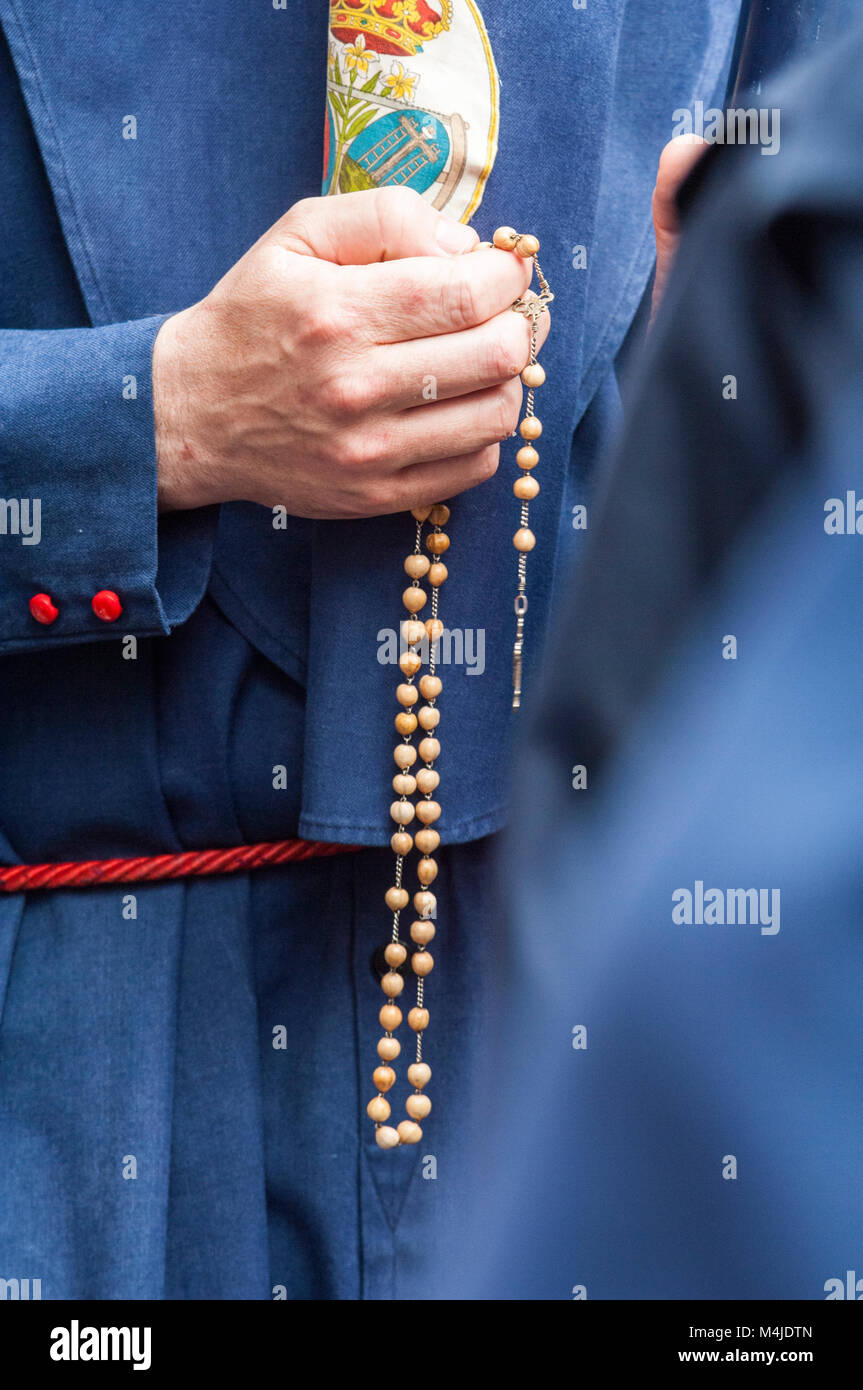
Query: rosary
424	781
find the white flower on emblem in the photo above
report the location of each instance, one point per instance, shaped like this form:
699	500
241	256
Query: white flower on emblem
401	82
357	56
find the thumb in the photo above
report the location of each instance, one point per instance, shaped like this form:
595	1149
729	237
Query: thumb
381	224
677	160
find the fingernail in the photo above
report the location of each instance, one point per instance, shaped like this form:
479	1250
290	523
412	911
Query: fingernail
454	237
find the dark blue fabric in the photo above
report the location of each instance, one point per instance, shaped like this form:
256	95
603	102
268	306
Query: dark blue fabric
151	1036
704	1042
152	1039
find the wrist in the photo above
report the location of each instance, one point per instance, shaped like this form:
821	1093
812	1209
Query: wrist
182	470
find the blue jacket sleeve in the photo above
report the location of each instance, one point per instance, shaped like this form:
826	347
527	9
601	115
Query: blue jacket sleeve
78	509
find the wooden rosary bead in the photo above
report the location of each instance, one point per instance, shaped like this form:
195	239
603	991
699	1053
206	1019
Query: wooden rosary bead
416	566
378	1109
505	238
532	376
484	246
426	872
525	488
524	539
425	779
427	841
414	598
527	457
386	1137
422	963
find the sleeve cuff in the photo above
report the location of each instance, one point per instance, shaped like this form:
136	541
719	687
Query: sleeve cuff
78	511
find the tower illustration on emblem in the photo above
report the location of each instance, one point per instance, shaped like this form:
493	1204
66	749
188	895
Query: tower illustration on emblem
412	100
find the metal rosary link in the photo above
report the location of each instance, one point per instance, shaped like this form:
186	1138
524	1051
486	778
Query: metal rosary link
527	487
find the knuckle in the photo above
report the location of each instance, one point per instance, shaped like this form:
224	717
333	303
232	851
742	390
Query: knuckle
350	394
396	209
359	450
351	451
302	210
322	326
396	201
503	359
264	268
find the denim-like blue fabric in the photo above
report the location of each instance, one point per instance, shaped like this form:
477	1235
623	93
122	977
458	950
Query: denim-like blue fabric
157	1145
151	1037
705	1043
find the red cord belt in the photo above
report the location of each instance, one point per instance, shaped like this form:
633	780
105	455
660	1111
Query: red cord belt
150	869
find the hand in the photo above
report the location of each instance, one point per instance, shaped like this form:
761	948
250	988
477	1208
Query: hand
354	362
677	160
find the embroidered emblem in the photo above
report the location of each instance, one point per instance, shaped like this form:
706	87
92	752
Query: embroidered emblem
412	99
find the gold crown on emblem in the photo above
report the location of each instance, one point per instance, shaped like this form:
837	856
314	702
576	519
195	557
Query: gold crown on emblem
391	25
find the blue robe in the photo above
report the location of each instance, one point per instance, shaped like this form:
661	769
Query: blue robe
679	1086
155	1142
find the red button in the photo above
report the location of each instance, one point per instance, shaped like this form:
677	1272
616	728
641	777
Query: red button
106	605
43	609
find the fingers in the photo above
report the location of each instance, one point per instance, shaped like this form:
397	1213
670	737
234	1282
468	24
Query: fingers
403	300
377	225
453	364
423	484
677	160
467	423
